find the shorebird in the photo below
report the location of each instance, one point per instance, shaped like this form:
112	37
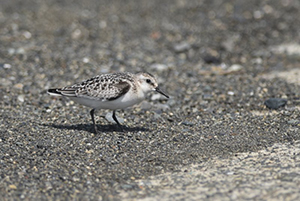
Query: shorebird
110	91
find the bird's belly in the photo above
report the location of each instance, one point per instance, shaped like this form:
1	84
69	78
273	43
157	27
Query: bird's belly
120	103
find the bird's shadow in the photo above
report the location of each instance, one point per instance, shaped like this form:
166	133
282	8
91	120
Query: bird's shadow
100	128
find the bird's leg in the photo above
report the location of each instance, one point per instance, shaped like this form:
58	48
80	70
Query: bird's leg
93	119
116	120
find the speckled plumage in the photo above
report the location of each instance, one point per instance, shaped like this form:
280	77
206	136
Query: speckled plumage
104	87
110	91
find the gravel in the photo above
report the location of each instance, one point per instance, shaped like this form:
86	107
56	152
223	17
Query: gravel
261	175
217	61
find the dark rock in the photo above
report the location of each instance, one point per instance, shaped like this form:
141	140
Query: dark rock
209	59
275	103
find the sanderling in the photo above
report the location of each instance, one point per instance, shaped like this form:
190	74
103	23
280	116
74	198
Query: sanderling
110	91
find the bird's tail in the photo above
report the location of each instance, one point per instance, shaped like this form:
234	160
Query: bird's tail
54	92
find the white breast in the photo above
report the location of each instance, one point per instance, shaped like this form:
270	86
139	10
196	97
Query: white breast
129	99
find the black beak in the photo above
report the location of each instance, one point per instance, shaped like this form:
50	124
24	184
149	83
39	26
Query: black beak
159	91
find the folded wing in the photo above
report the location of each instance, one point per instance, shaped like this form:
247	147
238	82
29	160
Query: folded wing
94	89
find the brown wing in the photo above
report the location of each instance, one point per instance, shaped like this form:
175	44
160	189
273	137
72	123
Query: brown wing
104	87
121	89
103	91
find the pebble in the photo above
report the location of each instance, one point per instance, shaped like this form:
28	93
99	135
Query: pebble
156	96
257	61
6	65
14	187
5	82
235	67
289	48
210	59
231	93
159	67
275	103
19	86
207	97
293	122
102	24
182	47
27	34
11	51
187	123
76	34
86	60
21	98
20	50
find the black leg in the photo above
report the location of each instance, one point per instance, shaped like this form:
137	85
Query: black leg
93	119
116	120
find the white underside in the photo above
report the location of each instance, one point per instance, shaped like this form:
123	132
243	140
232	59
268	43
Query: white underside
127	100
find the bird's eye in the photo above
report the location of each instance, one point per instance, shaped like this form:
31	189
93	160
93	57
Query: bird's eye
148	81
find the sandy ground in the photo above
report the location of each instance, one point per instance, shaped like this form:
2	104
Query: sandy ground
269	174
214	139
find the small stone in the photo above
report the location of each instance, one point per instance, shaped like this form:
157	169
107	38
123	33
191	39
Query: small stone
20	50
27	34
11	51
207	88
207	97
230	43
76	34
21	98
235	67
48	185
275	103
293	122
231	93
257	61
102	24
89	151
182	47
86	60
19	86
289	49
187	123
5	82
210	59
6	66
258	14
288	176
159	67
156	97
12	186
